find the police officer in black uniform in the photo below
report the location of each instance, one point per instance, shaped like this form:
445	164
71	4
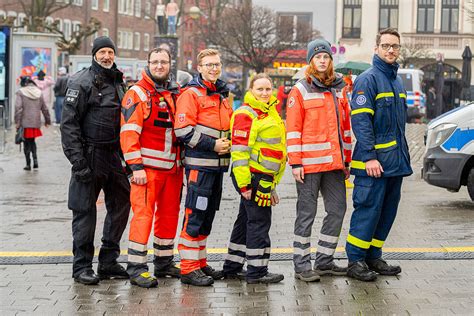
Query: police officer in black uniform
90	129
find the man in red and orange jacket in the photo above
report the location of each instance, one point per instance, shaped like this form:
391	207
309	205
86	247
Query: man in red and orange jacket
202	124
152	152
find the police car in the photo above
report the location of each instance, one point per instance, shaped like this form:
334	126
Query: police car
449	155
412	81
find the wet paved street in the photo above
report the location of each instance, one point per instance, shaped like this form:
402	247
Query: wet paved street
35	223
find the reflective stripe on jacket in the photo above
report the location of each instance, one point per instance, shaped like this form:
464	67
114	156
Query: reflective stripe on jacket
258	141
378	118
146	135
202	116
318	127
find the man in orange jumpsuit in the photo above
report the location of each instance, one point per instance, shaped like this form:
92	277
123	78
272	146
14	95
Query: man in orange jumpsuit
152	152
202	124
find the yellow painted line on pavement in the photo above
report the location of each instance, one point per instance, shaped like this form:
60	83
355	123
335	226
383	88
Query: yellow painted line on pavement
224	251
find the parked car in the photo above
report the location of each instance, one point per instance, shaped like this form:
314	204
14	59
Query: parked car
449	157
412	81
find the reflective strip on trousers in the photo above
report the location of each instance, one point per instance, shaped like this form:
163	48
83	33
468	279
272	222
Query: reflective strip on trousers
136	246
132	155
137	259
377	243
258	252
189	243
325	250
158	163
189	254
131	127
235	258
202	253
163	253
293	135
316	161
163	242
301	252
237	247
258	262
327	238
139	92
358	242
302	240
207	162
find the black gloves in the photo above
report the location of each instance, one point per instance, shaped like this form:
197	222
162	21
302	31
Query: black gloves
81	171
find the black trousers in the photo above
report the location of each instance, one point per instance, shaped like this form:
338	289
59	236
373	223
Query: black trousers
29	146
109	176
250	238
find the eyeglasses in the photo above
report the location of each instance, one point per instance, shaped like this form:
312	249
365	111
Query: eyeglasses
212	66
395	47
158	62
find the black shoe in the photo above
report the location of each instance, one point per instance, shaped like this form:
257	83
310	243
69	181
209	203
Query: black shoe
197	277
382	267
111	271
241	275
87	277
145	280
35	164
330	269
268	278
28	167
307	276
172	270
360	271
213	273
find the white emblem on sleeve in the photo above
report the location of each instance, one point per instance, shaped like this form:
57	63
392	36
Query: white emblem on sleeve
361	100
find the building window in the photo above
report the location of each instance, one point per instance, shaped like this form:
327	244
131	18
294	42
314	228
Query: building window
129	40
106	5
352	14
425	23
388	16
93	37
105	32
146	42
138	8
77	2
295	27
147	10
76	26
49	21
449	16
67	29
122	6
130	6
119	39
19	22
136	41
94	4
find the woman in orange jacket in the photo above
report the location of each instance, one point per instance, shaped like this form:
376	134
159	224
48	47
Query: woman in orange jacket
319	151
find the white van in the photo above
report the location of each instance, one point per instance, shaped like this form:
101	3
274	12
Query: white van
412	81
449	155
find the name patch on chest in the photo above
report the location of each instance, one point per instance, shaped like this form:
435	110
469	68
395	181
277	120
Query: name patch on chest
239	133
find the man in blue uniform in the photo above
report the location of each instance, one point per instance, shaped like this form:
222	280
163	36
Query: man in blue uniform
380	160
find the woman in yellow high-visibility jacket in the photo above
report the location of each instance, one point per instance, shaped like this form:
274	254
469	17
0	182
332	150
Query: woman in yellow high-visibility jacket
259	157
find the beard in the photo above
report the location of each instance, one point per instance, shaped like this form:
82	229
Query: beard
104	65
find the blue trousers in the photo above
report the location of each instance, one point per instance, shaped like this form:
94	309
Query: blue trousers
375	208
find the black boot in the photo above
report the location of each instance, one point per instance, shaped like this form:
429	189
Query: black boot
171	270
111	271
213	273
360	271
33	153
145	280
87	277
382	267
197	278
267	278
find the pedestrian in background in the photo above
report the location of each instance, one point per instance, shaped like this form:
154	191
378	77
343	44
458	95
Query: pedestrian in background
60	88
258	163
152	152
29	104
90	130
202	124
44	83
380	161
319	151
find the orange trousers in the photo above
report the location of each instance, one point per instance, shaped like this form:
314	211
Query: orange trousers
156	203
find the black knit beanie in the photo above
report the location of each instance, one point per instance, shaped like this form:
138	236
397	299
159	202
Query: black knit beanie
101	42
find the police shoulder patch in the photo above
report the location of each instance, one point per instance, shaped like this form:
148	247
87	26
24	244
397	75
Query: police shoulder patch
71	96
361	99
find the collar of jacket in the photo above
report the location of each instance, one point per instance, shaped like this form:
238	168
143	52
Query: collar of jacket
170	84
221	86
390	70
259	105
111	74
338	83
31	91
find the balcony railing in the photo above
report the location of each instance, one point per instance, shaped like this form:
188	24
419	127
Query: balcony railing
439	41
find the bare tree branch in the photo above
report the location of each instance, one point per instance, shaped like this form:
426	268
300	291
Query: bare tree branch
416	55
